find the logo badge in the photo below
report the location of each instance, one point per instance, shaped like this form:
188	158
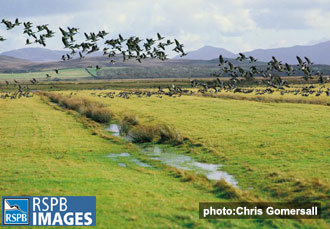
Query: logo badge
48	210
15	211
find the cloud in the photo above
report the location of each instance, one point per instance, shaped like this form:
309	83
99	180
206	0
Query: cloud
35	8
280	20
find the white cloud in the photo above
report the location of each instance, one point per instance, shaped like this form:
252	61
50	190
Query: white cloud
237	25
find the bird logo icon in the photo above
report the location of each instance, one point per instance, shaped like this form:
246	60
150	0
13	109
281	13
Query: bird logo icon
14	207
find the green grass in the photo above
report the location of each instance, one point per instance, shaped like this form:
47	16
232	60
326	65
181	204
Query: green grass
69	73
281	150
45	151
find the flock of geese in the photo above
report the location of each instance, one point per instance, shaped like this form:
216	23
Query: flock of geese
175	91
22	91
273	82
130	48
271	73
134	48
271	79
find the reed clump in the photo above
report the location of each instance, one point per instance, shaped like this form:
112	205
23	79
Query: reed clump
93	110
169	135
127	122
142	134
225	190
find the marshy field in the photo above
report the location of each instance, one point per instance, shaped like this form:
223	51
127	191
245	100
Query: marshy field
151	157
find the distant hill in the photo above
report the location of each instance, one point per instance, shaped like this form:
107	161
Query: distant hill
36	54
9	64
12	64
207	53
318	53
40	54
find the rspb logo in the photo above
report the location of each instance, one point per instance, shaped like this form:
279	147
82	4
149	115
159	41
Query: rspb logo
15	211
49	210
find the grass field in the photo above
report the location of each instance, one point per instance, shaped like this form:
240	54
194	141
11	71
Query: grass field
280	150
70	73
276	151
47	152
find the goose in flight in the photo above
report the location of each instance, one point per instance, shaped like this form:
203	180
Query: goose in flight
160	37
221	60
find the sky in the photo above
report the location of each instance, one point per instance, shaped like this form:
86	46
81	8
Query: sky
236	25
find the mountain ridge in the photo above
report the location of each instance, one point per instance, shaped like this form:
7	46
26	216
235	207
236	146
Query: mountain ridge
319	53
40	54
35	54
207	52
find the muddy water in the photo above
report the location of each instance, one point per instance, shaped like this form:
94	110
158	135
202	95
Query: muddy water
169	157
211	171
122	164
117	156
114	129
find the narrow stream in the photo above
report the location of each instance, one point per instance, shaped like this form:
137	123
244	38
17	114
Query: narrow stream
169	157
116	156
114	129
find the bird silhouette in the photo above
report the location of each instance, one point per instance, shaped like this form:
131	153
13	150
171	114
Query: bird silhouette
9	207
